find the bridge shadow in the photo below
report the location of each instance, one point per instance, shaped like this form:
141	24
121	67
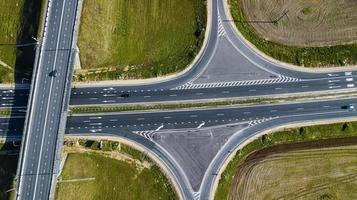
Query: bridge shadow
25	56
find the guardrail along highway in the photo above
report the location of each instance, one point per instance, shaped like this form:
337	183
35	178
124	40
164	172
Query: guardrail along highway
48	99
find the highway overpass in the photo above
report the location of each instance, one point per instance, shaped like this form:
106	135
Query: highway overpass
48	102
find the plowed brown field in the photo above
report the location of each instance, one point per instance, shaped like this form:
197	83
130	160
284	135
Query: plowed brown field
313	170
305	23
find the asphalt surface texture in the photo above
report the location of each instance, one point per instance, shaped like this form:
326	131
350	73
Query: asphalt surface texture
46	106
166	133
228	67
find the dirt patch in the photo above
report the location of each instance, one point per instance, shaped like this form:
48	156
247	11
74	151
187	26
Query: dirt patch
325	169
308	23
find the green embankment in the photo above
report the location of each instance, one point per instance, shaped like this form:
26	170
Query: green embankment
18	23
114	179
8	166
338	55
130	39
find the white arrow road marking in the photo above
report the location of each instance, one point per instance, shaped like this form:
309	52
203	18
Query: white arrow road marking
8	98
110	101
349	79
160	127
109	95
95	117
350	85
332	87
332	74
201	125
333	81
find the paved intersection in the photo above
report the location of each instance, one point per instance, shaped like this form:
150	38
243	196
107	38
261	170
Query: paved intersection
157	131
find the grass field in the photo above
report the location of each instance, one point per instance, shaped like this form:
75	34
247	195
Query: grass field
132	39
19	21
325	56
8	166
114	179
305	23
327	173
289	136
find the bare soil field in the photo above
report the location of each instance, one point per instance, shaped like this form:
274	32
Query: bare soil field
325	169
305	23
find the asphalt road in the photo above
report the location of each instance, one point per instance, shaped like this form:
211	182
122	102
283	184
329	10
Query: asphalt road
183	87
134	126
112	95
46	109
47	103
258	118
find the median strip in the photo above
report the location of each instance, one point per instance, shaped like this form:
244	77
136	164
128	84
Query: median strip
194	104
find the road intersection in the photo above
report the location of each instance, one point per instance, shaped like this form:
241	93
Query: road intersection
229	67
180	130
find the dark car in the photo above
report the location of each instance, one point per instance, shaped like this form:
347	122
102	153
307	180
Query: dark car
125	95
349	107
53	73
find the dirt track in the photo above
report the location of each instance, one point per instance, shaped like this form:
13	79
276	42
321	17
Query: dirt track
304	22
308	170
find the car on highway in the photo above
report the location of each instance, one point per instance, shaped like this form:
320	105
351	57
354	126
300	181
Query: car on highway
53	73
348	107
125	95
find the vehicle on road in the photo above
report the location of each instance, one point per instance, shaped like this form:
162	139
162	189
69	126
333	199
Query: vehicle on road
348	107
53	73
125	95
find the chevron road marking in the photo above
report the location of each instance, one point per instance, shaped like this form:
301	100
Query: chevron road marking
146	134
280	79
221	31
258	121
196	195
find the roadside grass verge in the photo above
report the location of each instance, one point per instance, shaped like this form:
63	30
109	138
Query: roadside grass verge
163	106
301	134
8	166
5	112
113	178
126	39
339	55
107	145
19	22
